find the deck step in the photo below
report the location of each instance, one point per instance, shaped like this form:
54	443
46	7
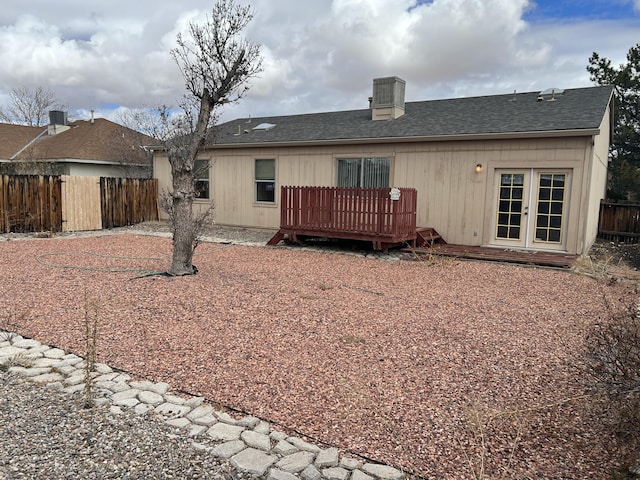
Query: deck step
426	236
276	238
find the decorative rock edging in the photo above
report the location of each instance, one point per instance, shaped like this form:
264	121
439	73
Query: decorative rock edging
250	444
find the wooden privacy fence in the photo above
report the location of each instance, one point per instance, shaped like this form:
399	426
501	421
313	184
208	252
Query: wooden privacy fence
127	201
619	222
370	214
32	203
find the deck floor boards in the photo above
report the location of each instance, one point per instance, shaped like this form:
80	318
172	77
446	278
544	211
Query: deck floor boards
549	259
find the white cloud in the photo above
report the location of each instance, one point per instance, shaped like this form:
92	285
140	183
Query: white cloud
318	55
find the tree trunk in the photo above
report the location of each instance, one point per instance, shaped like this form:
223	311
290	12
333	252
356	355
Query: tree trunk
183	225
182	158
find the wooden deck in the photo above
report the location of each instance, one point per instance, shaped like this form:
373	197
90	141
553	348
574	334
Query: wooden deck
366	214
547	259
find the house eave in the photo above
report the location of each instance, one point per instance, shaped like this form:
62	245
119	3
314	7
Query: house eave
415	139
82	161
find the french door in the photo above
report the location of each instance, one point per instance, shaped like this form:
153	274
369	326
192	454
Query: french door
530	208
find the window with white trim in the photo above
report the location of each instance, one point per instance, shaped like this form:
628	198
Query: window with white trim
367	172
265	180
201	179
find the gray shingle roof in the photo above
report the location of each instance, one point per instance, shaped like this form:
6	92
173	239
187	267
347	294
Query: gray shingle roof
576	109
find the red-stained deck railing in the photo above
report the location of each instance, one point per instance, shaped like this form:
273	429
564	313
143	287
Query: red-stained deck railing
368	214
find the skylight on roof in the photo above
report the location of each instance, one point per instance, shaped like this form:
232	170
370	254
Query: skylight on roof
550	94
264	126
552	91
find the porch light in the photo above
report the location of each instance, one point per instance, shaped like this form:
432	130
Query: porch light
478	167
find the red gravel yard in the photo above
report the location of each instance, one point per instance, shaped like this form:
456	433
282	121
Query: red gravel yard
402	362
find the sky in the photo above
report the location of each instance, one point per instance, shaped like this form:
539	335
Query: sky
318	55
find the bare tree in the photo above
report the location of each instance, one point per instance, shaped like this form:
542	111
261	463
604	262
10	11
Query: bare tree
154	122
30	107
216	63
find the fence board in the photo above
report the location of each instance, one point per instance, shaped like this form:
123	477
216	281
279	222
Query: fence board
36	203
30	203
81	203
127	201
619	222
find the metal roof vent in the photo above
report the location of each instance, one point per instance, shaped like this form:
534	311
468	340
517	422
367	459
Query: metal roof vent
57	122
550	94
388	98
56	117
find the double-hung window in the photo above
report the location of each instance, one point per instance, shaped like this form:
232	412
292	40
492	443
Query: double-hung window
201	179
265	180
367	172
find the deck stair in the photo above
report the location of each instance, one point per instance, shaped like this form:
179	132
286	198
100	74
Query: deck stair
426	237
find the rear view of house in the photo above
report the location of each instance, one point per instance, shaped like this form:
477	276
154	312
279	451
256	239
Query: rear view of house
521	170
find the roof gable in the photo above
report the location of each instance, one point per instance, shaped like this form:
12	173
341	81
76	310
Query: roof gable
580	109
99	140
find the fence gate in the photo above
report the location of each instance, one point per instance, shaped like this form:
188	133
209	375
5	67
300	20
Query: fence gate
81	203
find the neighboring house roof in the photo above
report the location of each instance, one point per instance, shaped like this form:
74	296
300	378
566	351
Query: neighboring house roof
13	138
576	111
100	141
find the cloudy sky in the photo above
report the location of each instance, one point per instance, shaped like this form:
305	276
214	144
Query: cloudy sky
319	55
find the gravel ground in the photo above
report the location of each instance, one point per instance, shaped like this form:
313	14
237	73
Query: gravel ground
49	435
616	254
406	363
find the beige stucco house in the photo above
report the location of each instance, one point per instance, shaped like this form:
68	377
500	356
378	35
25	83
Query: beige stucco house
522	170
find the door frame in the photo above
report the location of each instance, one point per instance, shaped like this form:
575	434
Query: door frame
531	190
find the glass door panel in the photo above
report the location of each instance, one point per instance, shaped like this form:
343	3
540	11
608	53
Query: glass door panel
544	194
550	208
511	208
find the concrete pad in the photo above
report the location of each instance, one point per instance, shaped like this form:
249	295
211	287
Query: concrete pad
311	473
256	440
327	458
253	461
275	474
359	475
296	462
200	411
56	353
382	471
229	449
172	410
151	398
47	378
335	473
284	448
222	431
11	351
